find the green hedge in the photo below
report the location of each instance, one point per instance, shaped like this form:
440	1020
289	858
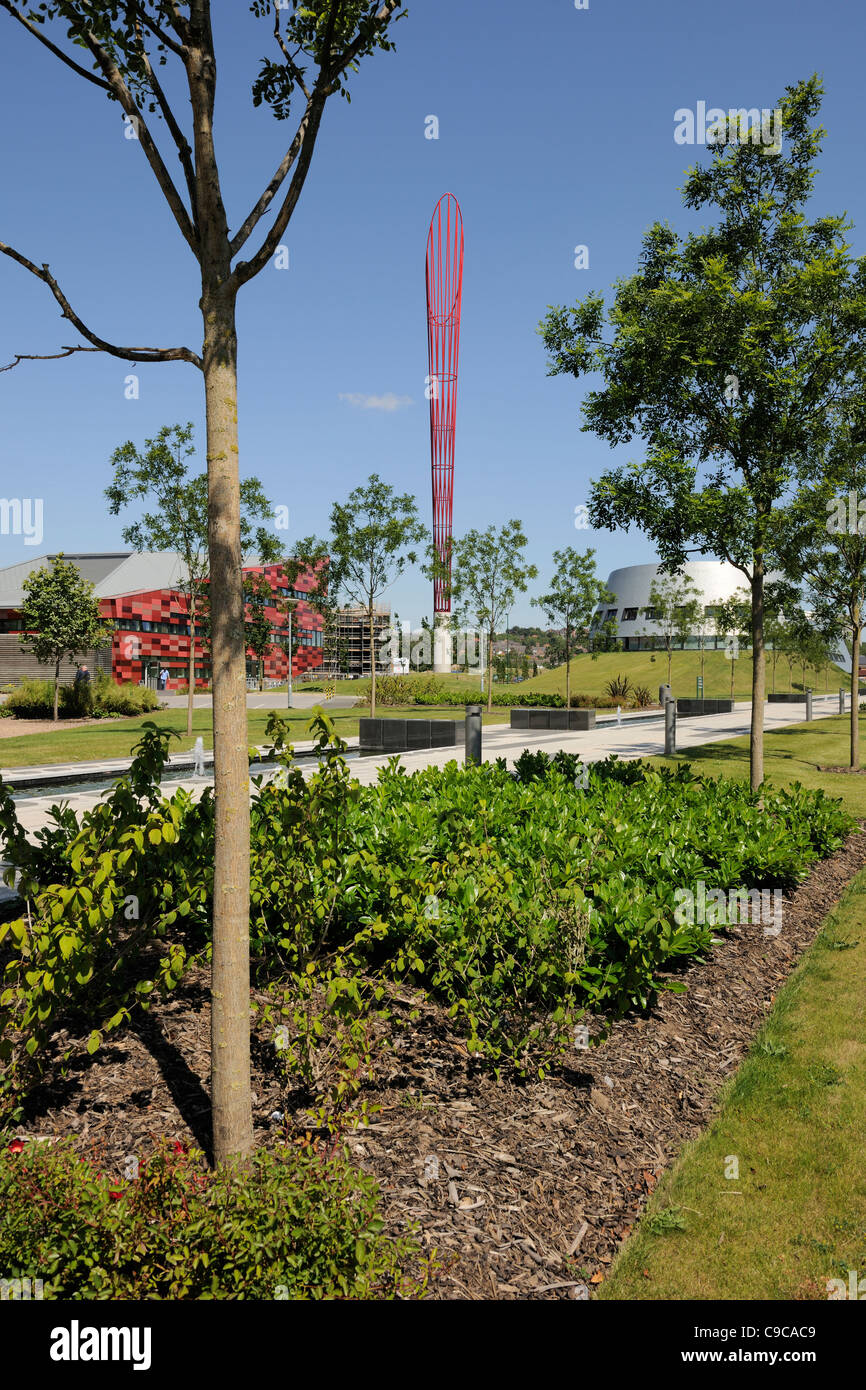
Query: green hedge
414	690
34	699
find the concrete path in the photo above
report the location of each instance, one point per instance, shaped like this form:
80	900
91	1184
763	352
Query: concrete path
638	737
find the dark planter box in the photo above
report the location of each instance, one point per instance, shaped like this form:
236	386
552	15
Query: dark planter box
406	735
444	733
544	718
693	707
792	698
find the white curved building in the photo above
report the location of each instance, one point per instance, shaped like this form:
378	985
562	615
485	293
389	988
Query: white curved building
714	582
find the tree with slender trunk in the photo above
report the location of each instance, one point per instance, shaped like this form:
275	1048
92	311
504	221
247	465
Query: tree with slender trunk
161	473
826	546
372	533
732	619
675	602
318	43
728	347
60	617
575	590
489	570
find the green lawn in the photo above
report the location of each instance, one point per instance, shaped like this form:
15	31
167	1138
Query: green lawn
115	738
589	675
770	1202
791	754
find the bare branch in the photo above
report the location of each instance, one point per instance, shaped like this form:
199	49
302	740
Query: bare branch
290	62
184	148
46	356
305	139
306	131
36	31
118	86
142	15
273	187
130	354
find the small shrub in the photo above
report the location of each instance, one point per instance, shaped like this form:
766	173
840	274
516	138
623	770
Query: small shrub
641	697
292	1224
619	687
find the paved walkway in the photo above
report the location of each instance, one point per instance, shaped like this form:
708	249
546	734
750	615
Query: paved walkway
636	737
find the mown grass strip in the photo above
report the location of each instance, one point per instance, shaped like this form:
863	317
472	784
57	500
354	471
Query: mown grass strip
770	1202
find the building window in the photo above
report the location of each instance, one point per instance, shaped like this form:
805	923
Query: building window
629	615
651	613
611	615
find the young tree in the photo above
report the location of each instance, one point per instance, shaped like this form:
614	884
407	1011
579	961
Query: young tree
60	617
826	547
727	348
675	602
488	572
318	43
732	619
371	533
574	593
180	522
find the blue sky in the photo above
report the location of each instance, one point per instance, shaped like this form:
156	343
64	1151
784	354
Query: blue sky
555	129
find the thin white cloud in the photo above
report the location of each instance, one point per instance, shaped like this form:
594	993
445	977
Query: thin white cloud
388	402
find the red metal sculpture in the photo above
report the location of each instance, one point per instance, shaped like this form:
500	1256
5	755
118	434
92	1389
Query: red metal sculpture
444	299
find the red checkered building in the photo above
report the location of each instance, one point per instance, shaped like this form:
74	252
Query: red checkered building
142	596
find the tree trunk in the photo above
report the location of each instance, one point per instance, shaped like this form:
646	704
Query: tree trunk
670	659
733	671
372	664
191	696
490	639
855	691
230	1020
56	688
567	671
756	733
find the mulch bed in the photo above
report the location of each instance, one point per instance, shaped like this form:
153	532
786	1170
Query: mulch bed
523	1191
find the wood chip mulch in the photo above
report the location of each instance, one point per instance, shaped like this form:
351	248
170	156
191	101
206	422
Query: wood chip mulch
524	1191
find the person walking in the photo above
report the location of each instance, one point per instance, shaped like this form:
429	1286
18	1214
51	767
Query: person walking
163	678
81	690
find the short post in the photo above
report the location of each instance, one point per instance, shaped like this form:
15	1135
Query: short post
618	716
808	703
841	700
670	728
472	733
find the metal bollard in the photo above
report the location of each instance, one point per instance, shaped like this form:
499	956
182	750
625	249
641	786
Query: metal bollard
841	700
472	734
670	728
808	704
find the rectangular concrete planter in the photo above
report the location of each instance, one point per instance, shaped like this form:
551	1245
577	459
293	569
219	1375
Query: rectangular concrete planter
693	707
789	698
572	720
407	735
